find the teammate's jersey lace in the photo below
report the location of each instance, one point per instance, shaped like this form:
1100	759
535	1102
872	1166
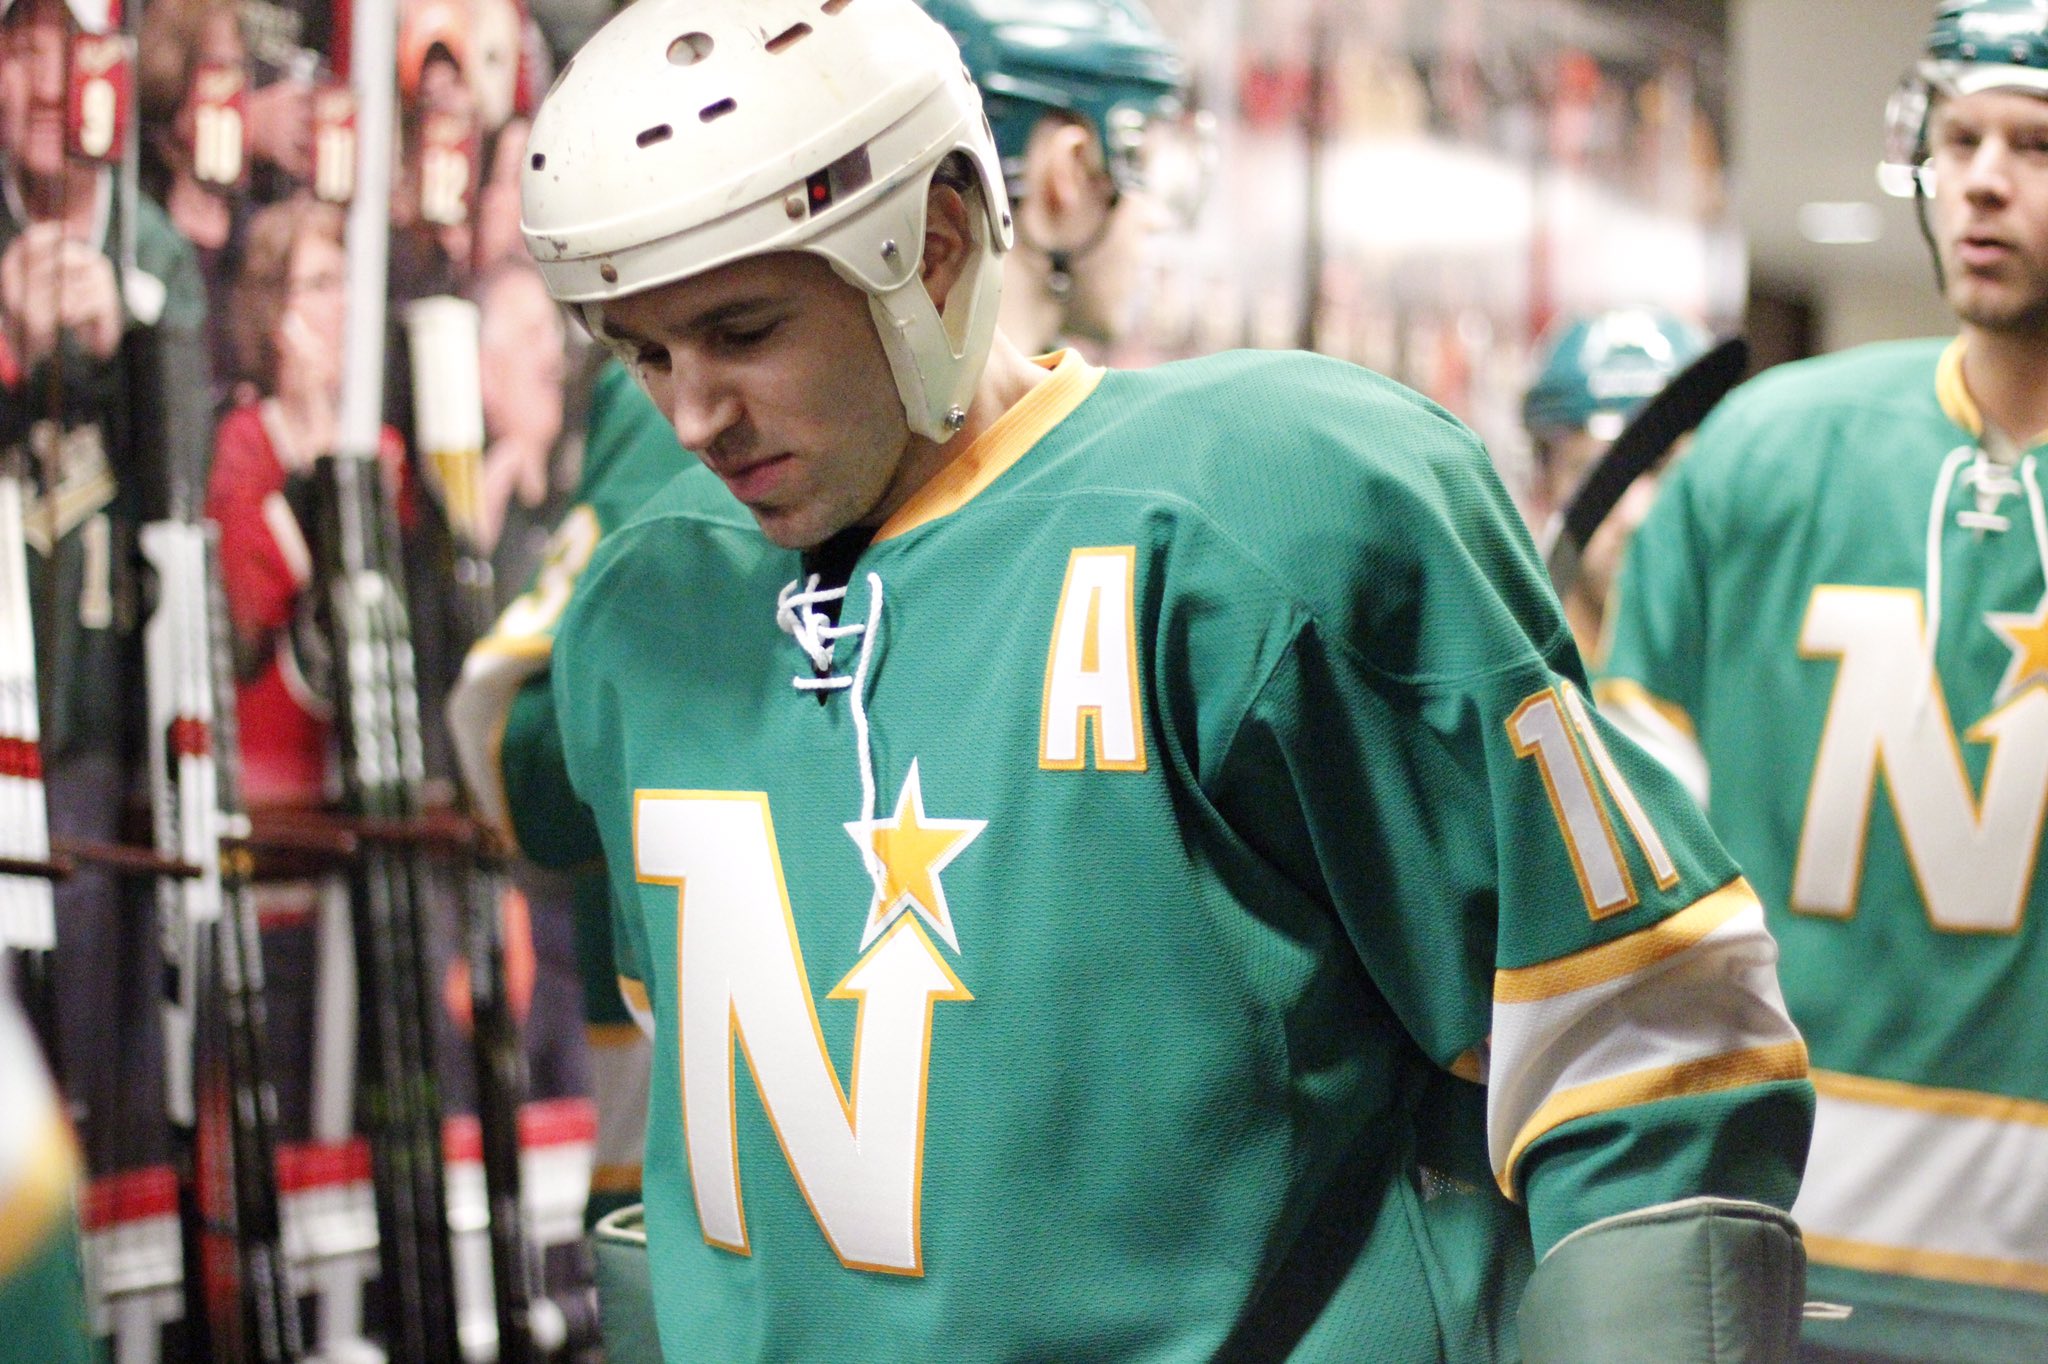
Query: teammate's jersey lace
1992	483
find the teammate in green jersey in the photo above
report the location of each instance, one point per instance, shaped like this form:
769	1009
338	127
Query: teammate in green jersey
1833	619
1086	103
1594	372
1104	811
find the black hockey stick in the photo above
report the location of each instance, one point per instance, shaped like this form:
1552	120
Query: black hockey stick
1659	424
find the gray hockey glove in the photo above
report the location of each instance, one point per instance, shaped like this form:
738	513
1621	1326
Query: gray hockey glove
1714	1280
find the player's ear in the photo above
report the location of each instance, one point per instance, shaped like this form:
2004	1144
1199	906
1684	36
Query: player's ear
949	241
1063	198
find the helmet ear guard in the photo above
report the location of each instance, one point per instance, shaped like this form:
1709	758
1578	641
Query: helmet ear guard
690	134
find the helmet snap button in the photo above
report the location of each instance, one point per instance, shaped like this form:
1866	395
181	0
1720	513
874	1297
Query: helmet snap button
793	205
608	272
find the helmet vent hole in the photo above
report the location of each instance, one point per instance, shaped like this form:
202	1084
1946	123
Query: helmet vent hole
660	132
711	113
689	49
789	37
540	160
834	6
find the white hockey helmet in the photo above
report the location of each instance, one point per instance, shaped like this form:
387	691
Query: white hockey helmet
688	134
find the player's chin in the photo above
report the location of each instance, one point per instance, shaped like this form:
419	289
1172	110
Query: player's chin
798	528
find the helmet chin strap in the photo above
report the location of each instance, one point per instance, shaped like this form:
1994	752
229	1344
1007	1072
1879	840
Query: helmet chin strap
1920	211
1059	278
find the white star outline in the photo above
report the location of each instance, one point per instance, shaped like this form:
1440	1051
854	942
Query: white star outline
881	913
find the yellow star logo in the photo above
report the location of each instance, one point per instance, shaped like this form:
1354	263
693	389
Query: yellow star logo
2027	636
905	854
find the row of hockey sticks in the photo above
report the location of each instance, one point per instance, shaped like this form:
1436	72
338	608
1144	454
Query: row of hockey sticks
442	340
240	1303
377	724
377	720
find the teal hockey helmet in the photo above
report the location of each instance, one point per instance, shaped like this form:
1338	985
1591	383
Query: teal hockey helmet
1105	61
1973	45
1596	371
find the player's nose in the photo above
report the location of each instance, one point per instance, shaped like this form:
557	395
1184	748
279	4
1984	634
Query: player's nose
702	405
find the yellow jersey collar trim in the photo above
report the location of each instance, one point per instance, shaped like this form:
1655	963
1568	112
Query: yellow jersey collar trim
1954	394
1956	402
1001	446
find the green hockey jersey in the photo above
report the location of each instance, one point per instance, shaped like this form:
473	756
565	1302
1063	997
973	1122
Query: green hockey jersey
1062	944
42	1302
1835	528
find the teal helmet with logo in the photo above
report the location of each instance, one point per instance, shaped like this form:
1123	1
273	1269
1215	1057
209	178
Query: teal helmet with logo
1105	61
1973	45
1594	372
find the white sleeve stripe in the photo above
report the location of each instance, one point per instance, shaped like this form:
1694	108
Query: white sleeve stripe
1905	1180
1681	1022
1732	1070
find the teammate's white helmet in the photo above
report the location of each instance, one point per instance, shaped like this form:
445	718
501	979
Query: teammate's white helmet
688	134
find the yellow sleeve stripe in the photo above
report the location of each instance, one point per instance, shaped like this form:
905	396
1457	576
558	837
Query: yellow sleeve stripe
515	646
1946	1266
1708	1075
635	995
1621	693
1953	1103
1625	956
615	1179
612	1036
1467	1067
32	1209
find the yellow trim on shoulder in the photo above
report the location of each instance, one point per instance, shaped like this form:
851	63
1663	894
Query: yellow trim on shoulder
1943	1265
1953	394
1467	1067
515	646
612	1036
1948	1103
615	1179
995	450
1708	1075
1626	691
36	1204
1624	956
635	995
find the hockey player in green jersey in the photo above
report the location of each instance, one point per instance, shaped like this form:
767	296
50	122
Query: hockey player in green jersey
1104	811
1833	621
1087	106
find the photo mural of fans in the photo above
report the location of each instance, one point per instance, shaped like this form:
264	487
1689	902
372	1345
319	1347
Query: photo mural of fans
1424	187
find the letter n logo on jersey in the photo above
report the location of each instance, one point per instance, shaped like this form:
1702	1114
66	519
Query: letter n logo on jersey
1091	671
857	1152
1971	852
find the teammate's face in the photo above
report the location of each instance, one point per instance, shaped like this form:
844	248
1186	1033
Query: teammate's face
1990	156
771	371
1106	277
34	44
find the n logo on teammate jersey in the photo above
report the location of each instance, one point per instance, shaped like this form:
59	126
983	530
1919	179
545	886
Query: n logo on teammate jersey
1091	670
1972	854
858	1156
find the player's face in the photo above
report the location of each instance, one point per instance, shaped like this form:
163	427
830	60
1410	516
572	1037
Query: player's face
1106	278
1990	157
34	44
770	369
